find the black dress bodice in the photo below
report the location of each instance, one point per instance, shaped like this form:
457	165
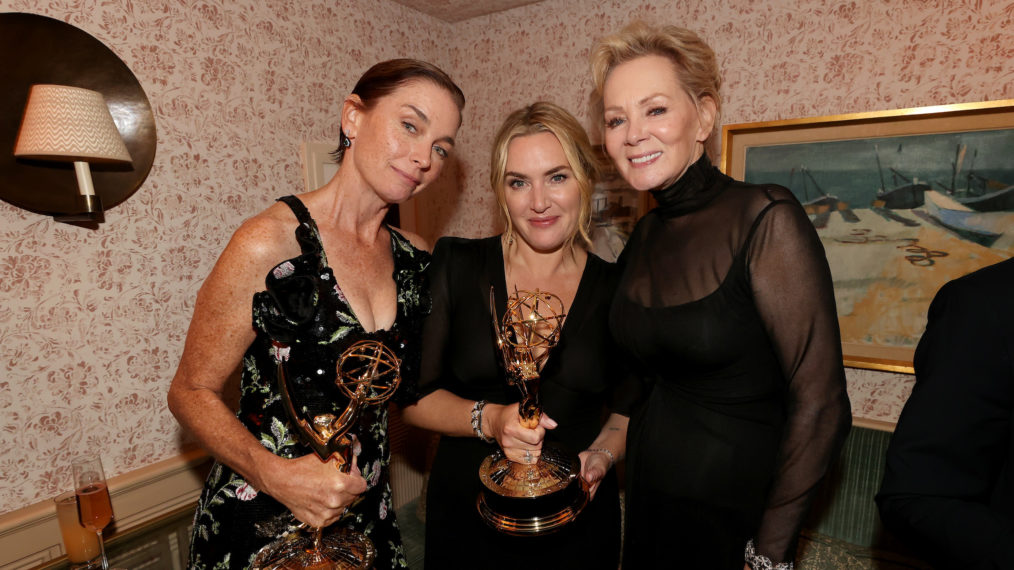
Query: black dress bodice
578	387
725	304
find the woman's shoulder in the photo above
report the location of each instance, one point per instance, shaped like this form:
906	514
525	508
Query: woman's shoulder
599	265
751	203
416	240
760	194
460	246
266	236
602	273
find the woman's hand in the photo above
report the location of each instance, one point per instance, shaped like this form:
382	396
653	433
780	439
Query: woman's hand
594	466
314	490
520	444
608	448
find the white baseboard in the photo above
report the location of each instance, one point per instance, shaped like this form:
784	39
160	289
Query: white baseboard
30	536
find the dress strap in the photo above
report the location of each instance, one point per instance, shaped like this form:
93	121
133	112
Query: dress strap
306	232
297	207
741	260
772	202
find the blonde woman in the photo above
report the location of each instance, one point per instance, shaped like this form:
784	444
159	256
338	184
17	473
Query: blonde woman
725	302
542	171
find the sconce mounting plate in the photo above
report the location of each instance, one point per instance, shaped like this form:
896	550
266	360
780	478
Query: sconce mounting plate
38	49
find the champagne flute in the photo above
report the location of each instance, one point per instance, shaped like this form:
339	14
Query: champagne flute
94	510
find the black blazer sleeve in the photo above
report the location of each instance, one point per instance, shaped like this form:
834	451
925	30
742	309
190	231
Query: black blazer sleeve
948	488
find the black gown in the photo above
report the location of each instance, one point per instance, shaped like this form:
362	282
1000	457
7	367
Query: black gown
303	319
577	382
725	302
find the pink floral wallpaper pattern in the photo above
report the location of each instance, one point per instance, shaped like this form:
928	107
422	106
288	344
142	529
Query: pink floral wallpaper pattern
92	322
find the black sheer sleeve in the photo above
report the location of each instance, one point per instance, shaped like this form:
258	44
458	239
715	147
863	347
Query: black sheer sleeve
949	462
436	330
726	300
791	284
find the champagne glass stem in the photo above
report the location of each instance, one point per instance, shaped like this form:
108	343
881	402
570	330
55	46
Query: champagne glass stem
102	550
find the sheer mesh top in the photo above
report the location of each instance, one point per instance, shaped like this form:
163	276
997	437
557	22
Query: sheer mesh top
726	303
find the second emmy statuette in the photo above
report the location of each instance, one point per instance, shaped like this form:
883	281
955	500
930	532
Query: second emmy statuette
540	497
369	374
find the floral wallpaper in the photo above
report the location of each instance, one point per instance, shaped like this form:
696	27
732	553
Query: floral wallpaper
457	10
92	323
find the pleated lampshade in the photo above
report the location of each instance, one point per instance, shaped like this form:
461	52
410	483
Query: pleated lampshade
69	124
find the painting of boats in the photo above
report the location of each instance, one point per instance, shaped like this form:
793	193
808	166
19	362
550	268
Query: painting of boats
823	205
909	193
991	201
915	212
983	228
979	193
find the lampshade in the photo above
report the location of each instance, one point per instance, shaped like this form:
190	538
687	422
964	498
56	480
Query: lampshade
69	124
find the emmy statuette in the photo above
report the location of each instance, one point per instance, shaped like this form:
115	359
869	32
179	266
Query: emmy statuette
369	374
525	499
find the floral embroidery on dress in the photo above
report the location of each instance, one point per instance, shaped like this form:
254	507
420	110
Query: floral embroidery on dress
280	352
283	269
303	320
245	492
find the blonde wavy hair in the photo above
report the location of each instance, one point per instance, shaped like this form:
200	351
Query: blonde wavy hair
693	59
543	117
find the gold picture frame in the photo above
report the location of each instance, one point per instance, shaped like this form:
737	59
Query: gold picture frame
903	202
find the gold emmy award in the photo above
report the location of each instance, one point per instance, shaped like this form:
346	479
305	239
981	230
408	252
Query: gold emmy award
368	373
525	499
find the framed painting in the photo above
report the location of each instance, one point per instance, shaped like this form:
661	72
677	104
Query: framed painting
903	201
616	207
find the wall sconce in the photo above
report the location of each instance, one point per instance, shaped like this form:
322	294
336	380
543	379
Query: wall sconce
71	124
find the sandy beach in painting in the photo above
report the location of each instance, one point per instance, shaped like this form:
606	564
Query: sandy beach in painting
885	273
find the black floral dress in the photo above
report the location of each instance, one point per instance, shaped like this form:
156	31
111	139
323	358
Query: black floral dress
303	319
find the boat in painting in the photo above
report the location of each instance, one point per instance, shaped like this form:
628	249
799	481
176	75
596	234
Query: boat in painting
988	195
824	205
983	228
905	195
980	193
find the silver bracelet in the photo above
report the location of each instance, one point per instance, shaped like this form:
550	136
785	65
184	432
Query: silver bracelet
604	451
477	421
761	562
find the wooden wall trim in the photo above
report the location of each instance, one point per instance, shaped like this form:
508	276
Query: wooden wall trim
30	536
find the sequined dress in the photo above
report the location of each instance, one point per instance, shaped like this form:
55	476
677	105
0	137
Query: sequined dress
303	318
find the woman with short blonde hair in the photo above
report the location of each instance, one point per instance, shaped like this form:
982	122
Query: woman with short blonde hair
692	58
726	309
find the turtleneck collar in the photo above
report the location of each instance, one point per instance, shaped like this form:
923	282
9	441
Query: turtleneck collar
691	191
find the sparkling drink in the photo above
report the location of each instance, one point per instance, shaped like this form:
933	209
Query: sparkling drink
82	545
93	506
94	511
